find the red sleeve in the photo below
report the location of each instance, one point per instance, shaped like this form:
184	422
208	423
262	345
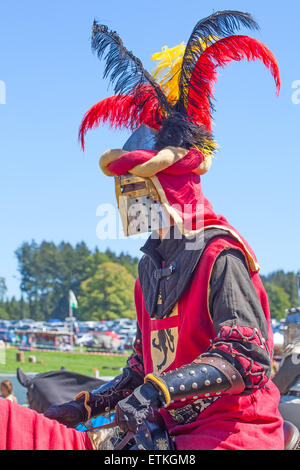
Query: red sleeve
129	160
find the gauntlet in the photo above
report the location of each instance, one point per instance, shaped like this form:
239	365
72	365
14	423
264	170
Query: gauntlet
91	404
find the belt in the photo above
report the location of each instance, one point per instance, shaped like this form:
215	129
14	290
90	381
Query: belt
189	413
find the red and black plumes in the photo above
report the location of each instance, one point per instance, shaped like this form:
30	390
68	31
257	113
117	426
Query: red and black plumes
123	111
139	99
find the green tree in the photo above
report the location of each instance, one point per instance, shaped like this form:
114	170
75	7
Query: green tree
278	299
23	309
3	313
108	294
12	309
130	263
126	260
93	262
288	282
48	272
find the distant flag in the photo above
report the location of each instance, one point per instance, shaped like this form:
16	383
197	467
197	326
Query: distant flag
72	300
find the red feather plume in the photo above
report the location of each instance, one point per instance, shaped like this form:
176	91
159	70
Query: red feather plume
125	111
219	54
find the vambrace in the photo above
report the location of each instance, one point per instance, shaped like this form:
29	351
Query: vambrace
105	398
205	377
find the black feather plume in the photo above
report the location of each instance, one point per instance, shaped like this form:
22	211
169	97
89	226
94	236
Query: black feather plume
207	31
179	131
125	71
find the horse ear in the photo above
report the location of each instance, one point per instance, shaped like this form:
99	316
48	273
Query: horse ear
23	378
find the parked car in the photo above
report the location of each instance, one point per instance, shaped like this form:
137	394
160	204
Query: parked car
4	324
104	341
25	327
84	339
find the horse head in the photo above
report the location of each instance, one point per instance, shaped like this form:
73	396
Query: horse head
55	387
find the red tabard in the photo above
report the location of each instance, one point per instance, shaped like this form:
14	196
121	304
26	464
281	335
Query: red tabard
249	422
25	429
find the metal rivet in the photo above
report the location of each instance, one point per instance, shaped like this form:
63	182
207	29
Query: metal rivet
172	390
207	394
180	376
204	369
219	380
194	385
234	377
223	366
182	387
207	383
192	372
195	398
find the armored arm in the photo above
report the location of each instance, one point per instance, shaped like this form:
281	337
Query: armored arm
205	377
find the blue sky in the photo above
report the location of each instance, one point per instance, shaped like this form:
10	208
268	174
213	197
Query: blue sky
50	190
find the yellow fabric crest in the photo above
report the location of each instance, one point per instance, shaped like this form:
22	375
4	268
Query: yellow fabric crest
168	70
167	74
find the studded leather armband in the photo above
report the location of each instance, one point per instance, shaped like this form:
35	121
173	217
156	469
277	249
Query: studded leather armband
205	377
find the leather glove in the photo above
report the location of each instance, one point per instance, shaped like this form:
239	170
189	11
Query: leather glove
88	405
140	405
71	414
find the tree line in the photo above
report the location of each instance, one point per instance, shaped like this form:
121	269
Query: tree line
103	283
282	290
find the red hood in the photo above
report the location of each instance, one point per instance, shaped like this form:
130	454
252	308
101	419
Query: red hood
180	192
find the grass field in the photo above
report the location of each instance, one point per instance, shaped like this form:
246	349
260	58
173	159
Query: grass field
46	361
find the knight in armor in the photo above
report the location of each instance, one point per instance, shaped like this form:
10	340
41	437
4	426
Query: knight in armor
203	351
